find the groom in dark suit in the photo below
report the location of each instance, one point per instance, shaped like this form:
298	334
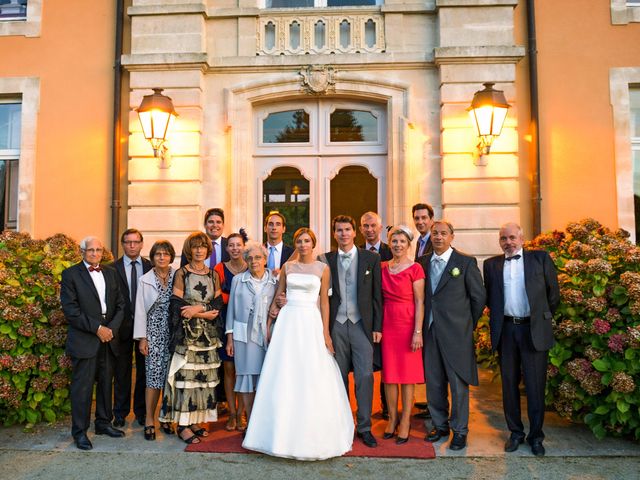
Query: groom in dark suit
94	309
454	300
522	294
355	316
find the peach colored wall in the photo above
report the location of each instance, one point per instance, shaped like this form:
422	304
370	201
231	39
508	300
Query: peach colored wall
577	45
73	58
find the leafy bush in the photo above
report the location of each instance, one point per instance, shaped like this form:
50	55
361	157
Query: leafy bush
594	367
34	370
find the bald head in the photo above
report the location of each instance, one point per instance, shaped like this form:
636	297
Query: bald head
510	238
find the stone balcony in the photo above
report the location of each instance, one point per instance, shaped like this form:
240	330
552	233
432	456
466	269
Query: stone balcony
318	32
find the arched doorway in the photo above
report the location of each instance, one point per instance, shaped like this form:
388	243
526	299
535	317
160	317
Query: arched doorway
338	146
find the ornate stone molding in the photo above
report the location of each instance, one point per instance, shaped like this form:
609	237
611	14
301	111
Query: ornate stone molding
317	80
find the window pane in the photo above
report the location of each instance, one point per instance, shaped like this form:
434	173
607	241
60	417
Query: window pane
319	34
345	34
269	36
370	33
291	126
8	195
353	126
634	100
636	189
294	35
346	3
287	191
10	126
13	9
289	3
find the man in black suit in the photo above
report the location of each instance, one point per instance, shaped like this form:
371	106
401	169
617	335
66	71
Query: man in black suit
213	227
422	214
94	310
454	300
277	252
355	316
522	295
371	229
129	268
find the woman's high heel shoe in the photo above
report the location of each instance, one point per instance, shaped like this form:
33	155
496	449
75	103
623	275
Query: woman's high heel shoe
167	428
150	432
400	440
390	435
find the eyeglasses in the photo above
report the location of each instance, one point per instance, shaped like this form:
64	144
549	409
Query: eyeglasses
93	250
131	242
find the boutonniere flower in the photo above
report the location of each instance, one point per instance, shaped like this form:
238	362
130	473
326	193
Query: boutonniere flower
367	272
455	272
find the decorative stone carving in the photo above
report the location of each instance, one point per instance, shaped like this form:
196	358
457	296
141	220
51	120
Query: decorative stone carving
317	79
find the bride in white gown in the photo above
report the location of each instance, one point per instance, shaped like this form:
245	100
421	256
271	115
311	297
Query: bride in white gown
301	408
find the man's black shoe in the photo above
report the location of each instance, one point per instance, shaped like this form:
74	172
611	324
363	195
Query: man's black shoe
458	442
421	405
118	422
368	439
109	430
83	443
537	449
436	434
513	443
422	415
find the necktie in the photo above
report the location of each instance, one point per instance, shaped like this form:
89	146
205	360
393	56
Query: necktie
515	257
437	267
421	243
95	269
373	249
271	261
213	260
345	259
134	282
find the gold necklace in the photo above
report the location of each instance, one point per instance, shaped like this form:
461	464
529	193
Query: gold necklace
198	270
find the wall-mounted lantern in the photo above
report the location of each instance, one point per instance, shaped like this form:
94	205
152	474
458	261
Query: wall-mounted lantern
156	115
488	110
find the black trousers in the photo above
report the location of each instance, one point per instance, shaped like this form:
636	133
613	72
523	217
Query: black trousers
519	358
85	372
122	381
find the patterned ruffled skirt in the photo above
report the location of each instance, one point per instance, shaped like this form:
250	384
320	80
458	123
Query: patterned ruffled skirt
189	394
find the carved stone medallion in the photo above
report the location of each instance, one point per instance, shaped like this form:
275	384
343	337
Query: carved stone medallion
317	79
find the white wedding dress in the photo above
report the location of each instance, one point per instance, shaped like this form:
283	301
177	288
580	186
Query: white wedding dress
301	408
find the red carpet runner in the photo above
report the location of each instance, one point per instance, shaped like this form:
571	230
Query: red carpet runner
221	441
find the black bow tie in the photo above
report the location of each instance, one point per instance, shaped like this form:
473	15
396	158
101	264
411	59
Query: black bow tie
515	257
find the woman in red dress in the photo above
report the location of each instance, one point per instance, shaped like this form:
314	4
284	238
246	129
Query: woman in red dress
403	306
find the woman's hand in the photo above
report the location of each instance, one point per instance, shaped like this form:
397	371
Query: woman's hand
190	311
230	344
143	346
329	343
416	341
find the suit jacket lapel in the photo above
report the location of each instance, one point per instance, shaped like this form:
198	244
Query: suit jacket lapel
453	262
361	268
526	261
84	274
332	260
499	280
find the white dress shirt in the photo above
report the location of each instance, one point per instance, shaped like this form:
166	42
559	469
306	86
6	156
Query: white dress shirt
516	303
425	239
101	287
368	246
351	253
446	255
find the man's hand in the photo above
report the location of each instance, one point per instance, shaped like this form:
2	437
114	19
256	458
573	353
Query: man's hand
143	346
104	334
377	337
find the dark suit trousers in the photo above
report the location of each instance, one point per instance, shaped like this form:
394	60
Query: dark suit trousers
353	348
86	372
518	356
122	381
440	377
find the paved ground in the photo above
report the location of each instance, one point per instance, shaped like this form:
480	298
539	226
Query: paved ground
572	453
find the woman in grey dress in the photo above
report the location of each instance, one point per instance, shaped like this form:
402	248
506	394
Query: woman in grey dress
246	327
151	327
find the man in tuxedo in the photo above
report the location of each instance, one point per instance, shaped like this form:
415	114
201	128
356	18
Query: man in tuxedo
371	229
278	253
213	227
355	316
129	268
522	295
94	310
422	214
454	300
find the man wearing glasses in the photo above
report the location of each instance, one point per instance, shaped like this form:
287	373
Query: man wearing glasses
129	268
94	310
